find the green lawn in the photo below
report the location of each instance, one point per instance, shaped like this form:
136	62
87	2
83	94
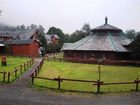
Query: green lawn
88	72
12	63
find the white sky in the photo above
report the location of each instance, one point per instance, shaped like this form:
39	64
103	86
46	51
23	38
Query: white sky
70	15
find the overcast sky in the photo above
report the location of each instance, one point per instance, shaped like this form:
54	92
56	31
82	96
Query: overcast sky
70	15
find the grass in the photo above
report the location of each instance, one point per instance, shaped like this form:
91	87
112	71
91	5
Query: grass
12	63
87	72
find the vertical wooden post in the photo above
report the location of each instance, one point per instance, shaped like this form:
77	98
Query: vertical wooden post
4	75
38	67
20	69
59	82
24	66
32	59
137	84
32	75
15	73
30	62
27	64
98	86
8	77
36	72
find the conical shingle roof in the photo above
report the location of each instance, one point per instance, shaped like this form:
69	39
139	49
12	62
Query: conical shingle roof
106	28
101	42
104	38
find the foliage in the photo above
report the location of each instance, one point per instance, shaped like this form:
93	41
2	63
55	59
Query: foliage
22	27
53	48
77	35
4	27
87	72
135	47
131	34
136	44
56	47
57	31
86	28
42	40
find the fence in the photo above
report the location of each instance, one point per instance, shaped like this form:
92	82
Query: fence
54	57
16	71
97	83
36	71
4	75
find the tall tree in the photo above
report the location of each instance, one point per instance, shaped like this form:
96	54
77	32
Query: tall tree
135	47
22	27
131	34
33	26
77	35
42	40
41	28
57	31
86	28
61	35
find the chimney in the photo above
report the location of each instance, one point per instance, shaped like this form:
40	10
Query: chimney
106	19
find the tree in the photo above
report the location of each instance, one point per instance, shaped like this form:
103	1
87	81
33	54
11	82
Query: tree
42	40
22	27
61	35
33	26
66	38
41	28
51	48
0	12
57	31
135	47
131	34
77	35
86	28
18	27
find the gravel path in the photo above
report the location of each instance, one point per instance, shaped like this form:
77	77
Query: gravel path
19	93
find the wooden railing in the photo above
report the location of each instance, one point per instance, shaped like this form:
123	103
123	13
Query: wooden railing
101	83
54	57
4	75
36	70
96	83
18	70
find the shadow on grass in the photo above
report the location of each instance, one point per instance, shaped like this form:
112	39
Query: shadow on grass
79	91
62	90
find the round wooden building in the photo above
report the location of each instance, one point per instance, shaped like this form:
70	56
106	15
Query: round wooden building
105	42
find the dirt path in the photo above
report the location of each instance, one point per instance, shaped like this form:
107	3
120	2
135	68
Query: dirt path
25	78
18	93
